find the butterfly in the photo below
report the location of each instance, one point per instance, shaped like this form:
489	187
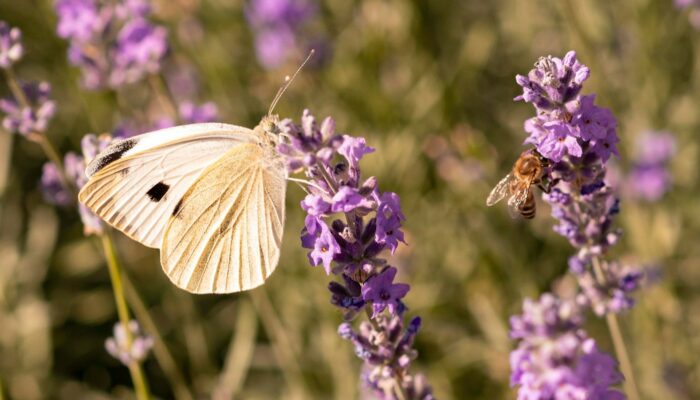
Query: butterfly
210	196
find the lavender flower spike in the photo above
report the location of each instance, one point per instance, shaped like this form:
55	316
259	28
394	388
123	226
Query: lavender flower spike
579	137
555	358
349	225
11	49
118	347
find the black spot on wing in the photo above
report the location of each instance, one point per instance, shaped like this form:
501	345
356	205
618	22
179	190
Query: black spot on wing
111	154
177	208
157	192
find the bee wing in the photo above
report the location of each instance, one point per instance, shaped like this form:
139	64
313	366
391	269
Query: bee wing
517	199
224	235
500	191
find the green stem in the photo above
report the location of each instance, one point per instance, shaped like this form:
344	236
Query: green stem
160	349
630	383
115	274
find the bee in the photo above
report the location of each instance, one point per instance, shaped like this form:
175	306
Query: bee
529	169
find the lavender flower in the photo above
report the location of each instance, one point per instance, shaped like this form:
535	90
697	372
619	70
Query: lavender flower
11	49
119	348
113	43
649	178
555	358
33	118
578	137
565	120
693	7
191	113
350	248
74	170
51	186
276	24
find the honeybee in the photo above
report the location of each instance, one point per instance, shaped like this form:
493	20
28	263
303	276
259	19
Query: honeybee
529	169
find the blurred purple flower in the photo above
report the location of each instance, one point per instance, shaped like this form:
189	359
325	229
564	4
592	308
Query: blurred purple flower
33	119
650	178
276	25
51	186
119	347
74	170
351	248
112	42
78	19
555	359
655	148
11	49
191	113
140	49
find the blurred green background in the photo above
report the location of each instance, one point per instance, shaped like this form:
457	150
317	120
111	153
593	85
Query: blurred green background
430	85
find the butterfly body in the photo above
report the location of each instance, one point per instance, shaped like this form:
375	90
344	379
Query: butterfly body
209	196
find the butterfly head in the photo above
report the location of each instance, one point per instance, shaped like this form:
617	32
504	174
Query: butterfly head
269	131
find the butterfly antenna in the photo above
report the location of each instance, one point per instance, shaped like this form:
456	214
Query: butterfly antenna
287	82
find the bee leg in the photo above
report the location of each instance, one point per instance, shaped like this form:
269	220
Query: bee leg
545	184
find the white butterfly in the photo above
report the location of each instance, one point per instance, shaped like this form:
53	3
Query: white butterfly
209	196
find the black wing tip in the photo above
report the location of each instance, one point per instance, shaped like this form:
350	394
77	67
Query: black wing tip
111	154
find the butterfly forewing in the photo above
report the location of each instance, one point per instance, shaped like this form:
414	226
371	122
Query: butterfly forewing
225	234
136	183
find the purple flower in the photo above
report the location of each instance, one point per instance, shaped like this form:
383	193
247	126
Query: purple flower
118	346
352	248
33	118
594	122
389	219
51	186
315	205
348	199
654	148
11	49
272	47
325	247
648	182
140	49
650	178
555	359
353	149
78	19
192	114
276	24
111	42
382	292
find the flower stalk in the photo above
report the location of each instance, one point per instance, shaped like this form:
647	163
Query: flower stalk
630	383
115	274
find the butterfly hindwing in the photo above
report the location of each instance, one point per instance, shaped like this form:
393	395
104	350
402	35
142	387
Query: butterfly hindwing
225	233
136	183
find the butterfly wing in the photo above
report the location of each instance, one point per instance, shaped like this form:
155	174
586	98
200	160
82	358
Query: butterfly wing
225	235
136	183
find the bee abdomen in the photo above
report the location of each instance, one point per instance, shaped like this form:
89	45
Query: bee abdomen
528	209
